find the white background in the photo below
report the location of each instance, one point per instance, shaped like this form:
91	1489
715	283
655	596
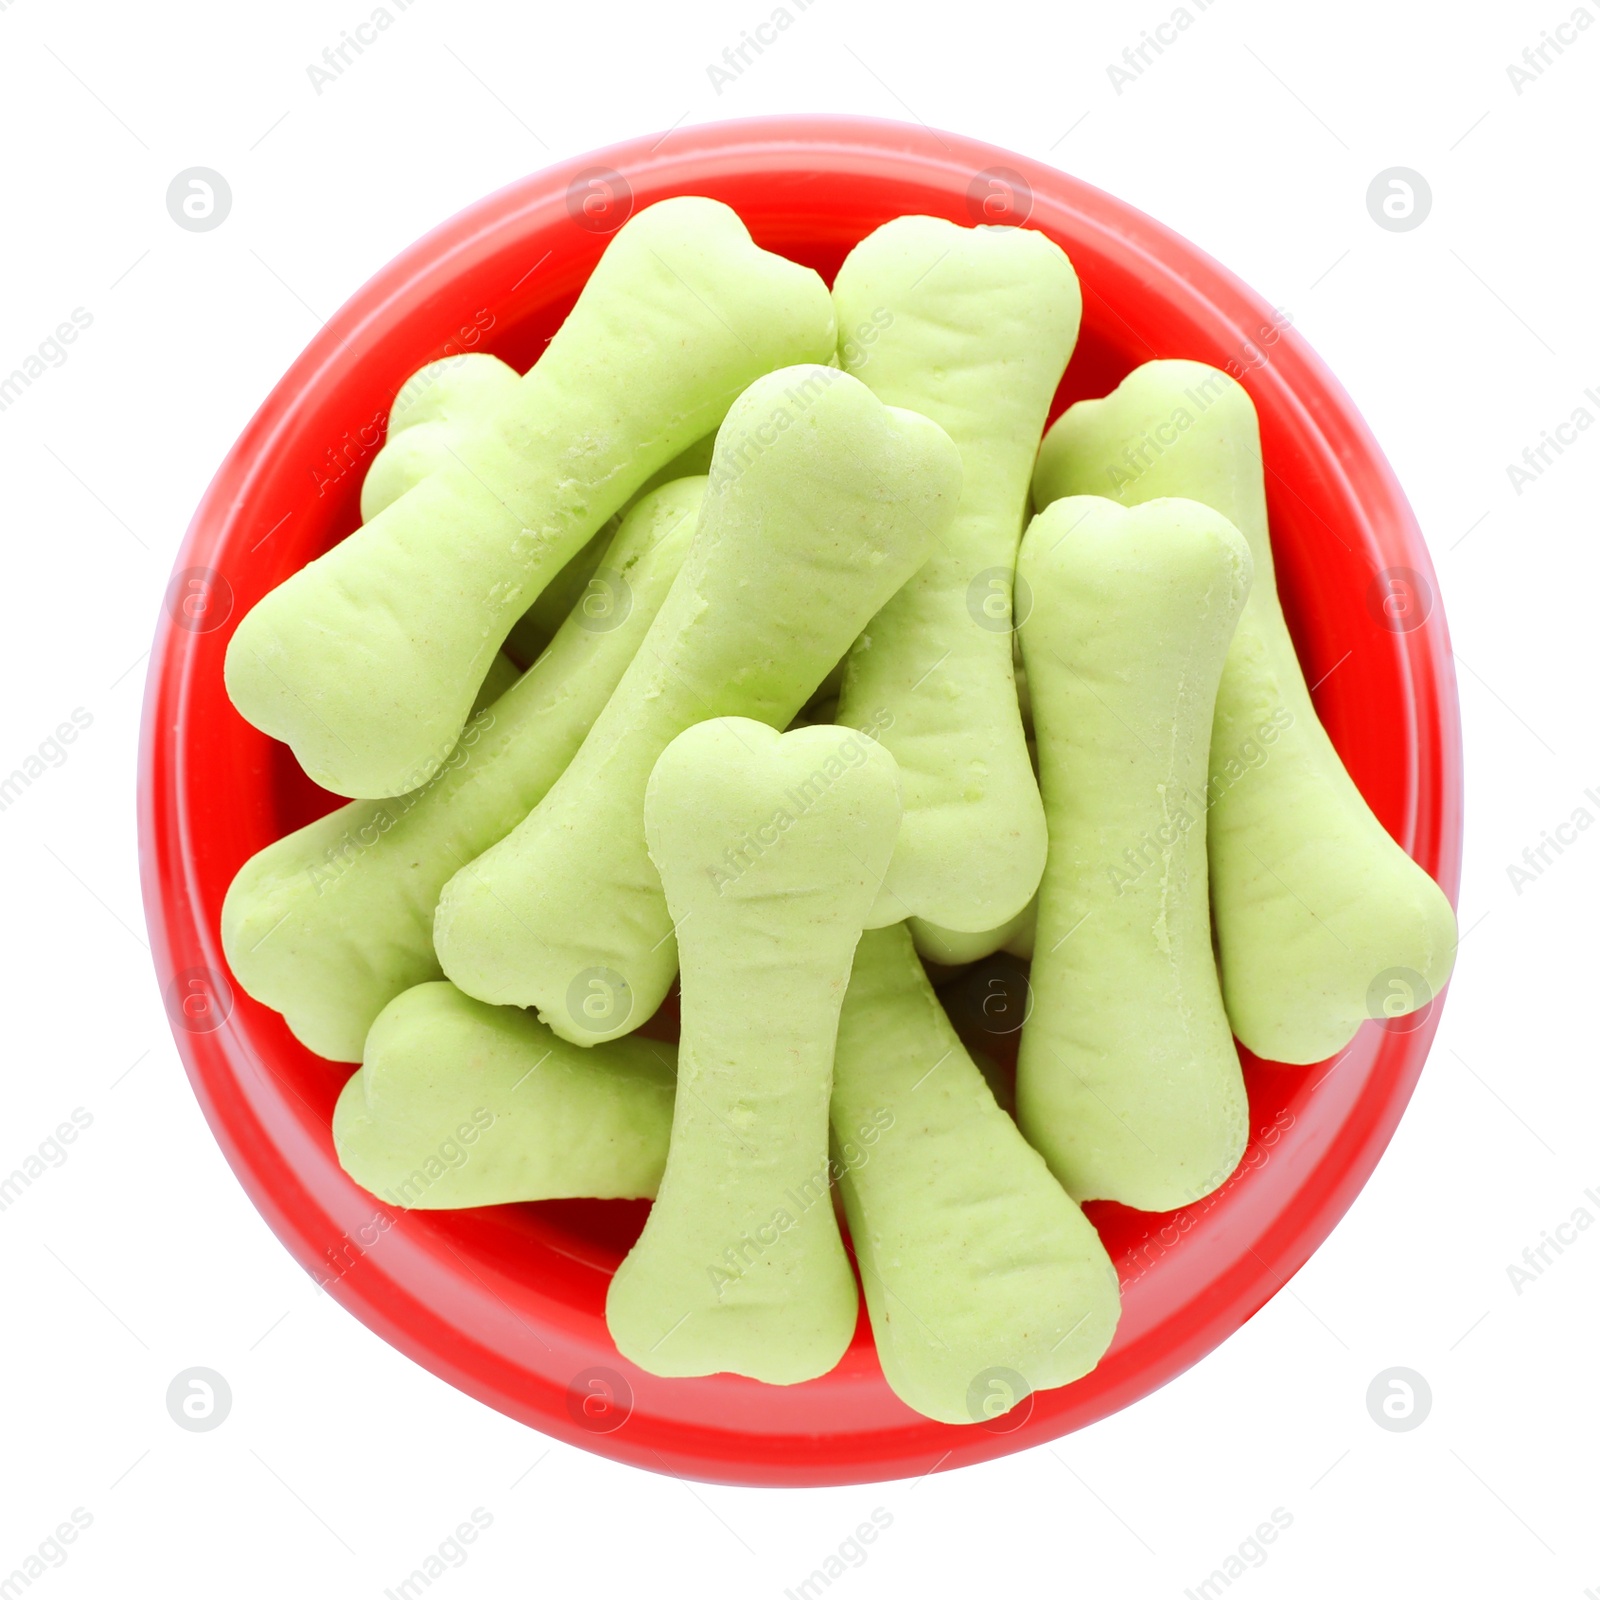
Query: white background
342	1465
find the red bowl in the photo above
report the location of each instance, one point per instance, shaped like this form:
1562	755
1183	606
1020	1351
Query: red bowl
507	1303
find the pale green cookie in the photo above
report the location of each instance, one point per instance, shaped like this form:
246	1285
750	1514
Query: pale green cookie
437	407
771	848
1322	920
984	1281
462	1104
1128	1082
822	501
366	661
952	949
329	924
575	584
537	626
695	462
973	328
434	406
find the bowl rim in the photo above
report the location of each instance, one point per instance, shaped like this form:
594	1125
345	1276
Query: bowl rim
217	1063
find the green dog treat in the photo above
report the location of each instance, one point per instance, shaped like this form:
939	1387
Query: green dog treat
822	501
538	625
973	328
575	584
695	462
1128	1082
771	848
952	949
434	406
367	660
331	923
1322	920
463	1104
984	1281
437	408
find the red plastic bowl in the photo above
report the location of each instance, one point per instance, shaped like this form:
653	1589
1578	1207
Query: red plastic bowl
507	1303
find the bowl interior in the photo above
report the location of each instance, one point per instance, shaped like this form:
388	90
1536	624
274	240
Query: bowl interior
508	1302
